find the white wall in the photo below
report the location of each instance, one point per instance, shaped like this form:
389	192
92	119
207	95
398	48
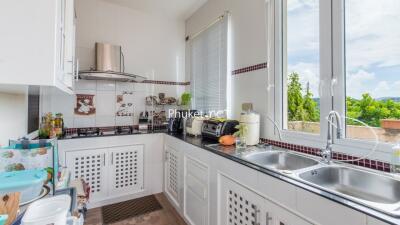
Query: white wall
249	47
13	117
151	44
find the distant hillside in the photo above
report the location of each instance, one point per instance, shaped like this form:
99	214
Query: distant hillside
395	99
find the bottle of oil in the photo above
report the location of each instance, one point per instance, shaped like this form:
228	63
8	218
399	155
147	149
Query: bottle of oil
58	125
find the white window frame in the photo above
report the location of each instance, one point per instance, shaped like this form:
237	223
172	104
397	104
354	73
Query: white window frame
332	80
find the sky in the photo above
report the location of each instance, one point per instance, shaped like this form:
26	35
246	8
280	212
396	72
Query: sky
372	39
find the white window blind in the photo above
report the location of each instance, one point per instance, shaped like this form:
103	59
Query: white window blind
208	66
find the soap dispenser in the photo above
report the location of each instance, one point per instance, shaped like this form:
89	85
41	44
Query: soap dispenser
395	167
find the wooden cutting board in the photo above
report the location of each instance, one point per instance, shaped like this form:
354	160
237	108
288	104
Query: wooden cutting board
9	205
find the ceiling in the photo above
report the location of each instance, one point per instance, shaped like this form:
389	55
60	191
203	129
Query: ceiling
179	9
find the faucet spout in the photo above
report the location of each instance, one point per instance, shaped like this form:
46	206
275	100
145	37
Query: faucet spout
333	116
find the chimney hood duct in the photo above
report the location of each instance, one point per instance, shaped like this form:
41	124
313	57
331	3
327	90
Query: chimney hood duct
110	65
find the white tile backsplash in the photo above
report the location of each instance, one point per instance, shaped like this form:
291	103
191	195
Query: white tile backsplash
105	101
62	103
142	87
124	86
105	106
124	121
105	121
88	121
103	85
68	121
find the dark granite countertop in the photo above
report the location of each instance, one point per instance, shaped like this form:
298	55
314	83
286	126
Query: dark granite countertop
202	143
112	135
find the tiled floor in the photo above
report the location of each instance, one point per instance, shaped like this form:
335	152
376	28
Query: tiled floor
166	216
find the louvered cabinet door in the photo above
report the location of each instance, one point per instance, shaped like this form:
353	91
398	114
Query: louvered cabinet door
277	215
172	174
238	205
126	170
91	166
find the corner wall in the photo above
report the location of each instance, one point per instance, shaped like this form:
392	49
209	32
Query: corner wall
13	117
248	46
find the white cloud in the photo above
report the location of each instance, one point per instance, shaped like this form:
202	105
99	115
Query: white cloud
356	83
293	5
308	73
303	26
385	89
372	33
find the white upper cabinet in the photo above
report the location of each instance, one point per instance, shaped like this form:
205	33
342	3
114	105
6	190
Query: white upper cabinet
37	43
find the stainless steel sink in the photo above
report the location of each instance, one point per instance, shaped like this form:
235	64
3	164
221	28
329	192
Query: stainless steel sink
355	183
280	160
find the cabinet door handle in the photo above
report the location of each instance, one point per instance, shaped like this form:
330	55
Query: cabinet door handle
257	219
267	218
104	159
112	158
166	157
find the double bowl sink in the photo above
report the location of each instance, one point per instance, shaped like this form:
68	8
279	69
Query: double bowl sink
372	189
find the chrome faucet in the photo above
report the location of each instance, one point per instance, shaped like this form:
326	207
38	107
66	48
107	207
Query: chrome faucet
327	152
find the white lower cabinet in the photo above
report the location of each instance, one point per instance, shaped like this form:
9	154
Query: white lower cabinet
110	172
196	185
126	169
207	189
91	166
172	170
238	205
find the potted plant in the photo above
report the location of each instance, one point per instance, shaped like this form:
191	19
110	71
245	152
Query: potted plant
392	124
186	98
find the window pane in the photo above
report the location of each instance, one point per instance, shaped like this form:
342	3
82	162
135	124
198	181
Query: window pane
301	65
372	59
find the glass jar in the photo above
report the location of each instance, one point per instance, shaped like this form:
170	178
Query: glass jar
241	142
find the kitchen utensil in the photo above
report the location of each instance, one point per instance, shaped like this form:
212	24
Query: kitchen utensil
194	125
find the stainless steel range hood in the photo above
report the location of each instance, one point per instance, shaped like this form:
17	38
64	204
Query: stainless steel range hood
110	65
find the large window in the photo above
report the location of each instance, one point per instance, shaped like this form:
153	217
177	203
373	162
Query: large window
341	55
208	66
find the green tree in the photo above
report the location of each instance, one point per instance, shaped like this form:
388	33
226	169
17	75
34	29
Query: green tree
310	106
366	109
295	99
370	110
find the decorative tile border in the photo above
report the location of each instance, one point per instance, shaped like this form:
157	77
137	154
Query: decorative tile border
250	68
368	163
166	82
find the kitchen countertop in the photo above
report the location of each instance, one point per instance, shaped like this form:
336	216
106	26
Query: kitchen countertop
111	135
202	143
